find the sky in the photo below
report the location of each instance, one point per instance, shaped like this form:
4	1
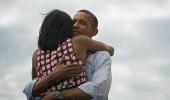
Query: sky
139	30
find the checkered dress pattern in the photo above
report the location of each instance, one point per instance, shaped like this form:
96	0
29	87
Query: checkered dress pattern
47	62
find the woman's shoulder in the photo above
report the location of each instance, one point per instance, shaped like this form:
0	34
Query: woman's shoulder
80	38
36	52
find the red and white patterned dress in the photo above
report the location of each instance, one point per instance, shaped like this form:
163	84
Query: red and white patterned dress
47	62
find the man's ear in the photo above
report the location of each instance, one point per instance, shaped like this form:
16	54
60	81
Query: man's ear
95	31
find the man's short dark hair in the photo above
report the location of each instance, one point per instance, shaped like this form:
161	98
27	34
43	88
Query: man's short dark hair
94	18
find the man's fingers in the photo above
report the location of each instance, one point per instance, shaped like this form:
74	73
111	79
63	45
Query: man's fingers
61	62
44	93
74	65
75	75
75	68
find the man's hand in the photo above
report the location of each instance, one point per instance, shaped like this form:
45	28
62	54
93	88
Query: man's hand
67	71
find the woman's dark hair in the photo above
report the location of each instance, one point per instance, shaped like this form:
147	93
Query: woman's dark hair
56	27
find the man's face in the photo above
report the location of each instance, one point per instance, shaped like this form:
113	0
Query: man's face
82	25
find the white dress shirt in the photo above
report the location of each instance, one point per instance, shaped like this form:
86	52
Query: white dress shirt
98	69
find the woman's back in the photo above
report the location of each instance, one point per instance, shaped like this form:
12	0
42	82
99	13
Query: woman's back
47	61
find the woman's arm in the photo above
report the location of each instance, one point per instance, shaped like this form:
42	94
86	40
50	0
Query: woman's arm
93	45
34	64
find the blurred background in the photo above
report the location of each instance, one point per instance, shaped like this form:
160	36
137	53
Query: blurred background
139	30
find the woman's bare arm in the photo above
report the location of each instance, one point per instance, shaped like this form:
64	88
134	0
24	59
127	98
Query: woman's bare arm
93	45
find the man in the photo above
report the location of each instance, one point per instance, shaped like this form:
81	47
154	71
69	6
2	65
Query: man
98	68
